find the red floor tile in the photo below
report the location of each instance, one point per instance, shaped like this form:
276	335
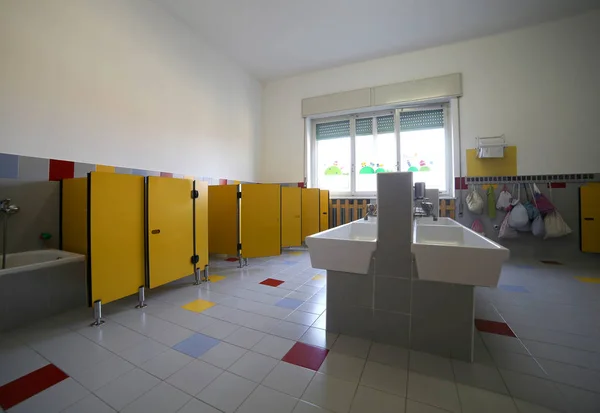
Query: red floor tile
232	259
305	355
29	385
494	327
271	282
550	262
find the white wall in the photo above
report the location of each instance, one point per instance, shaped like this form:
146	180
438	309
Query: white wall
540	86
123	83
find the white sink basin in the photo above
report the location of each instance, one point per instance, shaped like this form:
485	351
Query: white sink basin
440	221
347	248
447	251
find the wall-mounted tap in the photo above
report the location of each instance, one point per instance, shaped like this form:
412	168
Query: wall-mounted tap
371	212
6	209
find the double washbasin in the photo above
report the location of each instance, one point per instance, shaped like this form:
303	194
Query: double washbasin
444	251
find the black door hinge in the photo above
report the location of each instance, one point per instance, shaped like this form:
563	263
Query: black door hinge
239	195
195	259
195	194
239	247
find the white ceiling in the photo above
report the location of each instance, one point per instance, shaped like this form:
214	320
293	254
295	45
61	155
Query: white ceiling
277	38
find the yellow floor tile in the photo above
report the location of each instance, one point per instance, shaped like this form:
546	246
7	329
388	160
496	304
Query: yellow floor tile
198	306
213	278
592	280
295	253
318	277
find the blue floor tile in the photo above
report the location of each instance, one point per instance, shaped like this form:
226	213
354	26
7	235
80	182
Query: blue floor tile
196	345
289	303
288	262
514	288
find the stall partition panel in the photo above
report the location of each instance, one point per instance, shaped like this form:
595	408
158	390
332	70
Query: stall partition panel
74	215
310	211
590	217
223	216
260	220
324	210
170	230
116	235
291	216
202	223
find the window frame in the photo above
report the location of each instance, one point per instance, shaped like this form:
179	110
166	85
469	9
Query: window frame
353	193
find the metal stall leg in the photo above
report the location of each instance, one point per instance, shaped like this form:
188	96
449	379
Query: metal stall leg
245	262
141	298
206	279
98	321
197	278
241	260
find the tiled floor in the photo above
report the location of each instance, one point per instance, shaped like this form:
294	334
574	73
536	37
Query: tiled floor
254	341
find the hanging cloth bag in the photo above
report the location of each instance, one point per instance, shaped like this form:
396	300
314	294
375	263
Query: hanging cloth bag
491	202
475	202
518	217
477	226
543	204
555	224
538	228
506	232
503	199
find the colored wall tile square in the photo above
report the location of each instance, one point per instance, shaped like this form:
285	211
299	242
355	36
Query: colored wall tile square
33	169
178	176
318	277
494	327
460	183
514	288
216	278
305	355
290	303
190	177
61	170
271	282
9	166
105	168
29	385
592	280
139	172
222	181
166	174
198	306
124	171
196	345
82	169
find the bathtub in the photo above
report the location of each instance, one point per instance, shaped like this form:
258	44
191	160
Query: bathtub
39	284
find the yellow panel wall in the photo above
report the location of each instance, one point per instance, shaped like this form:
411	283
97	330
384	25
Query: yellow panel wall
116	252
170	230
223	219
590	217
310	211
506	166
324	210
74	215
202	223
291	216
260	222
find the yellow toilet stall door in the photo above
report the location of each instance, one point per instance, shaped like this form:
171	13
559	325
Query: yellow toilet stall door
291	216
170	230
260	220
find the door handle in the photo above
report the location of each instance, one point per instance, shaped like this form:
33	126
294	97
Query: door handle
588	219
324	213
155	231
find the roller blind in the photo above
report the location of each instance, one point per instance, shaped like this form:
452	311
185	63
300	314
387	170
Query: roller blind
333	130
364	126
385	124
421	119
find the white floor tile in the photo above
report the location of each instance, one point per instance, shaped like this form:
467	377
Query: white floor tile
385	378
289	379
194	377
431	365
299	295
526	407
291	331
184	318
122	391
572	375
245	337
163	398
223	355
17	361
112	336
253	366
534	390
300	317
305	407
272	346
261	323
475	400
342	366
389	355
479	375
167	363
312	308
102	373
89	404
219	329
144	351
352	346
579	400
433	391
369	400
54	399
416	407
331	393
227	392
319	337
321	321
196	406
265	400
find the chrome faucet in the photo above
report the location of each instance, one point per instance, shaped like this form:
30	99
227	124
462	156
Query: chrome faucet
424	208
6	209
371	212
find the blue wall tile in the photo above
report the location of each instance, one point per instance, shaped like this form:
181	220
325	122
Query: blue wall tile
9	166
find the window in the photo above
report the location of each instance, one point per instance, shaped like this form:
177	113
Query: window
350	151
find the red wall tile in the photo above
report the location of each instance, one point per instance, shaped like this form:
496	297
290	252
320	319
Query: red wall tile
61	170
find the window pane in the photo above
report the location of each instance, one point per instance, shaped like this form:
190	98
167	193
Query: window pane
333	170
373	155
424	153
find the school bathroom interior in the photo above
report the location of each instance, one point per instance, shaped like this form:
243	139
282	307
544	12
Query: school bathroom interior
221	206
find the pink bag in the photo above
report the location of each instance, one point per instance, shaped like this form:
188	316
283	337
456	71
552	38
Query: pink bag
477	226
543	204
